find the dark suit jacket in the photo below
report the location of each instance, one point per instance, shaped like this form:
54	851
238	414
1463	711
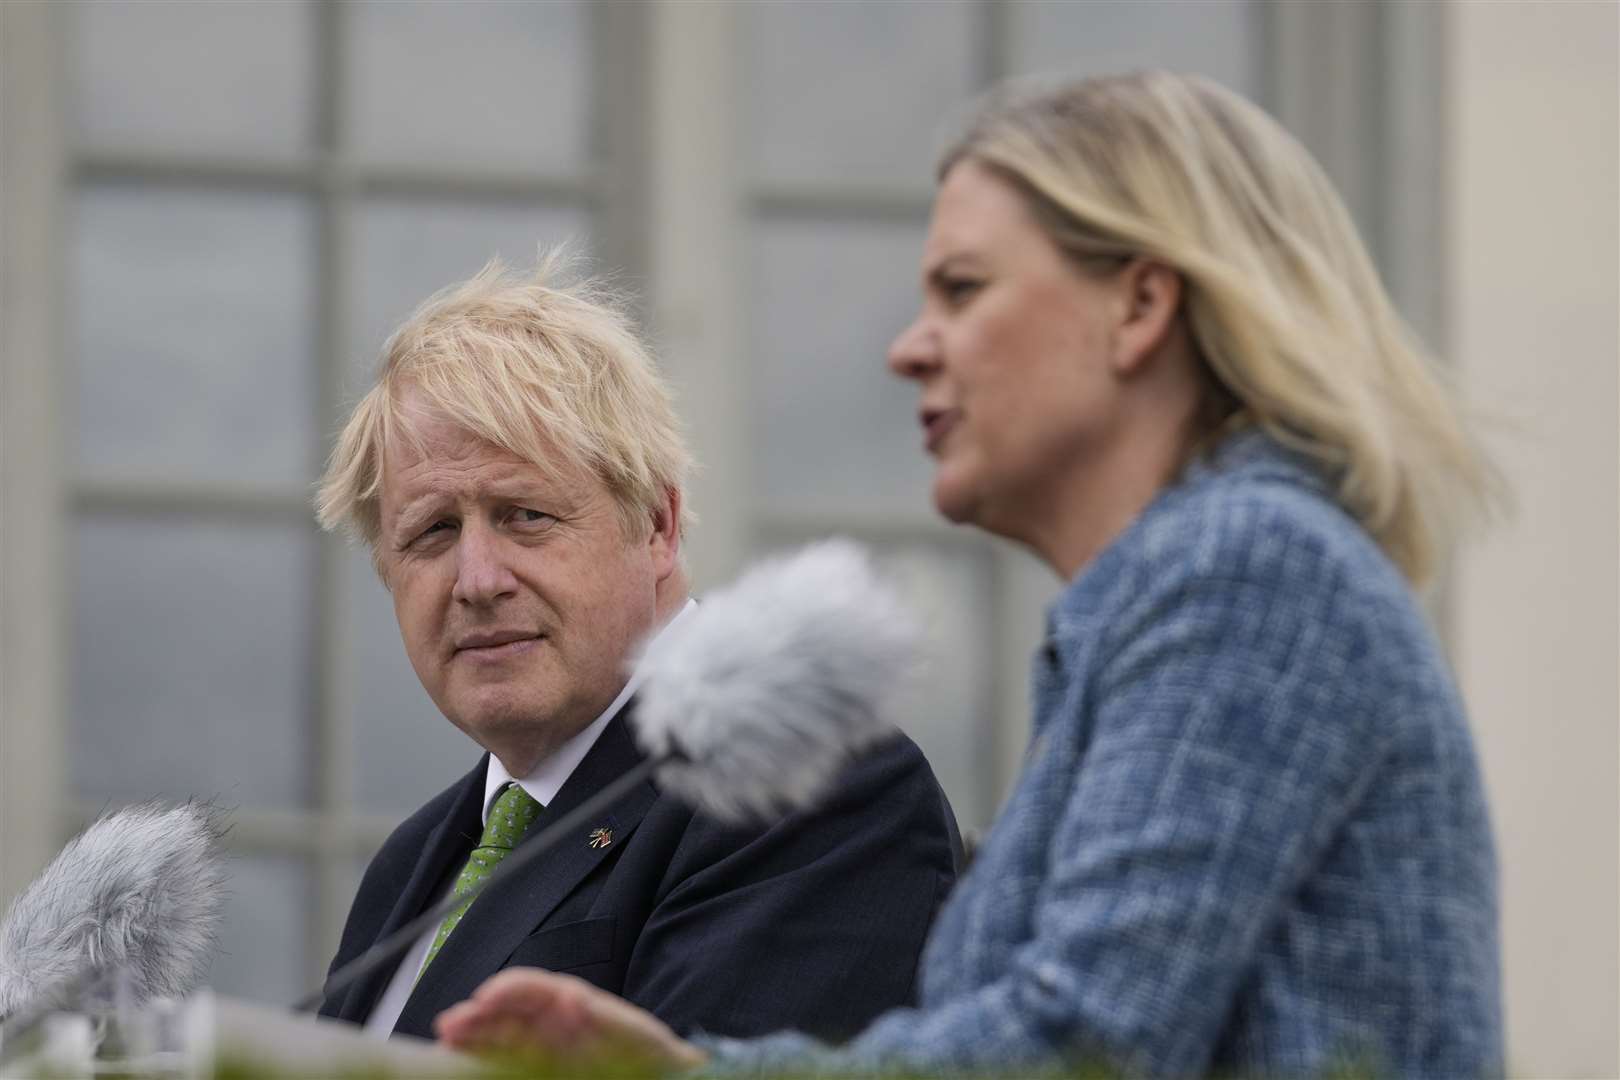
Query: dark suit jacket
815	923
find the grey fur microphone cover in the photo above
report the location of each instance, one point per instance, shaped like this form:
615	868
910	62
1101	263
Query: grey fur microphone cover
775	681
139	889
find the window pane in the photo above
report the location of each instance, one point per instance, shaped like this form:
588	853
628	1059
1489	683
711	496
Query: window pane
838	432
408	752
481	82
952	715
263	940
194	325
190	676
175	75
854	93
408	249
1217	38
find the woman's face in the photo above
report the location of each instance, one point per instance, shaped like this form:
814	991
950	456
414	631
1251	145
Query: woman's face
1011	354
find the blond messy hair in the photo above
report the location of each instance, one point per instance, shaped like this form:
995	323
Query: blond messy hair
1280	296
552	373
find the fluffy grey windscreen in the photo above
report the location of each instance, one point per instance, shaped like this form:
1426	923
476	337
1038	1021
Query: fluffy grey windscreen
140	889
776	680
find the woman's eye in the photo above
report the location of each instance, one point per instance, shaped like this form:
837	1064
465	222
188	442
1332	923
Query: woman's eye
957	290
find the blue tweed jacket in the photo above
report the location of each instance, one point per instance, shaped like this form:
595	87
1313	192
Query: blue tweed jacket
1249	838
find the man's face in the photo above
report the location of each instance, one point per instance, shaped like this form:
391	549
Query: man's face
519	596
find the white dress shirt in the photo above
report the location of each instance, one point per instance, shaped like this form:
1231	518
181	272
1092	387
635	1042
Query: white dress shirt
542	784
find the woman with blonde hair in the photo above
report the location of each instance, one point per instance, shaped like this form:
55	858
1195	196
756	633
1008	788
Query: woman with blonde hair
1250	836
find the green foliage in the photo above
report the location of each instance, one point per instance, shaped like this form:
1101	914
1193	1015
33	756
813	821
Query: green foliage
535	1067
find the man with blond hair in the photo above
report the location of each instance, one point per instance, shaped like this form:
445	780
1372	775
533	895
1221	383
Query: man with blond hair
517	473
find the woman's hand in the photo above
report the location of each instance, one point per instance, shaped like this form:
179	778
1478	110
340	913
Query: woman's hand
526	1009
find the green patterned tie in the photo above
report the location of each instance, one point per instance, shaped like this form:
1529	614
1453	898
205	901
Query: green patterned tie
514	811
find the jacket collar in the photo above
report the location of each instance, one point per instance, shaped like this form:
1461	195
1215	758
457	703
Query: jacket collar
449	841
498	921
1248	456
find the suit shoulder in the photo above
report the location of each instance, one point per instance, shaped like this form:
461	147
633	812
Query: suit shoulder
405	842
894	768
887	790
894	778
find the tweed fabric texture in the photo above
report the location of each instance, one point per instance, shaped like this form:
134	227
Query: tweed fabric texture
511	815
1249	837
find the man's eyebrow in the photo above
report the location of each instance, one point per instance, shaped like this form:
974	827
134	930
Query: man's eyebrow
416	512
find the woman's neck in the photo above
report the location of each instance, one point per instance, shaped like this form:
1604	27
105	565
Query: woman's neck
1086	507
1090	512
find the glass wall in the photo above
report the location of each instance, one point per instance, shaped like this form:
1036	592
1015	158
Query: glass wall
258	192
846	108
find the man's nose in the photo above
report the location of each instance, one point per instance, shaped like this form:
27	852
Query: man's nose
483	573
914	353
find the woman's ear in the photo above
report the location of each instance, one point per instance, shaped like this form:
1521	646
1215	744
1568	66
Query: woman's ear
1150	298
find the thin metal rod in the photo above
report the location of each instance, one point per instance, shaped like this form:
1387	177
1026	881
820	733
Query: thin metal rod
395	945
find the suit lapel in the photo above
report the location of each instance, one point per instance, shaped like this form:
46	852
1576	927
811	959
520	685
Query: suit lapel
447	845
503	916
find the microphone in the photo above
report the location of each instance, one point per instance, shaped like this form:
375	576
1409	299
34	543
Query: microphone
139	890
748	707
773	683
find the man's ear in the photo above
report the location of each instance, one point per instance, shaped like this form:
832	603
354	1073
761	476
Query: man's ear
665	541
1149	300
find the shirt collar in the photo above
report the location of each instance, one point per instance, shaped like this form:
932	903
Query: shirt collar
548	777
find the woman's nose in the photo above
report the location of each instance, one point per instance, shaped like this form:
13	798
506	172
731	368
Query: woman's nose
914	352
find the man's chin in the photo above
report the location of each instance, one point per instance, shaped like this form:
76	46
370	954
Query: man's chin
505	724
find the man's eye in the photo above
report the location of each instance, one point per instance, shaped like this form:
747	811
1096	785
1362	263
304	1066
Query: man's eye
524	516
436	527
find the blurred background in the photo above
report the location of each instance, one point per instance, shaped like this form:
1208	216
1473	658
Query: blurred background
211	214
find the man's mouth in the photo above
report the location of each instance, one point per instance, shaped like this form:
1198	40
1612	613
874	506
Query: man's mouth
496	644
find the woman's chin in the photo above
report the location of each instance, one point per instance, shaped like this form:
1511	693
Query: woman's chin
955	501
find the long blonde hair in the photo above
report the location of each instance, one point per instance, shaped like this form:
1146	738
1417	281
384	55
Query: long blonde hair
1281	298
